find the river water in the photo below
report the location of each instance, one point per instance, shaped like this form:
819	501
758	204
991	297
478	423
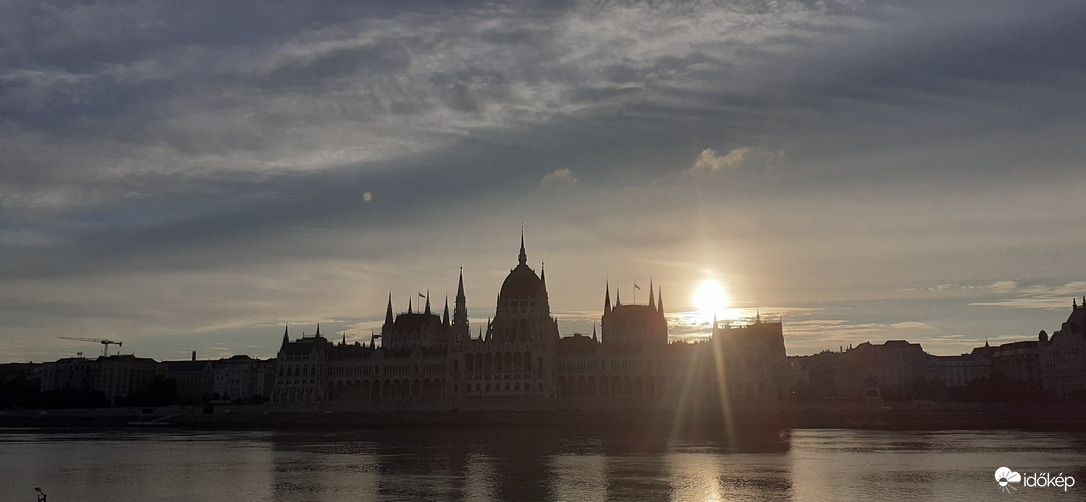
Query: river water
532	463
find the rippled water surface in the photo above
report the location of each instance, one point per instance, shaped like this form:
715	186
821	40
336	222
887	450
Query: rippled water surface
524	463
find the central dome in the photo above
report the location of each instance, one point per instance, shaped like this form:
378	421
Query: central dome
521	283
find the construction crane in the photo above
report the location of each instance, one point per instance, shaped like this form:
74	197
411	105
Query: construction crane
106	343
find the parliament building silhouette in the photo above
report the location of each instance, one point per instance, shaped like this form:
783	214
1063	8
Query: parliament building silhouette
518	361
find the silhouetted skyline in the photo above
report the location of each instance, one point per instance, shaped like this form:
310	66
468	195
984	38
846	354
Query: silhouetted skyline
193	178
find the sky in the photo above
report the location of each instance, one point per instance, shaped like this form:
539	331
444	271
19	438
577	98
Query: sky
194	176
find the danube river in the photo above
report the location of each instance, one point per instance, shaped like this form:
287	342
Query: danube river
532	463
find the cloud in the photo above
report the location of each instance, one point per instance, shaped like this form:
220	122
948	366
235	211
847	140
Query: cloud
945	290
197	141
710	160
1040	296
912	325
559	179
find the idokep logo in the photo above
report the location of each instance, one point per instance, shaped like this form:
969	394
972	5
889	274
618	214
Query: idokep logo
1008	478
1005	476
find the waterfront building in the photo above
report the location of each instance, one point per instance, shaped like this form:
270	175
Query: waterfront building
518	361
240	378
300	375
194	381
888	370
1062	357
753	360
116	376
514	359
958	371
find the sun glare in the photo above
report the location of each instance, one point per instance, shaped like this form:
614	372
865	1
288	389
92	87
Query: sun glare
711	299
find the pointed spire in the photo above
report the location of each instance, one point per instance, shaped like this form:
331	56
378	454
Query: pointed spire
543	274
286	338
607	299
660	299
652	302
594	339
388	311
715	323
460	287
427	302
318	335
618	297
460	312
445	316
523	258
344	342
409	305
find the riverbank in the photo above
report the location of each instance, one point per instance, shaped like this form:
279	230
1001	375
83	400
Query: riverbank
256	417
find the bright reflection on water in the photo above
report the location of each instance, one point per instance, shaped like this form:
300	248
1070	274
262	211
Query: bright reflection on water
522	463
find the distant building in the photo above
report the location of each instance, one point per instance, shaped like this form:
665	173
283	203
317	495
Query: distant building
11	371
115	376
753	360
300	374
1029	370
890	369
958	371
241	378
1017	362
69	374
20	384
194	381
893	367
1062	358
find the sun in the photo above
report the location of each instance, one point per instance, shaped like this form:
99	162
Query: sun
711	299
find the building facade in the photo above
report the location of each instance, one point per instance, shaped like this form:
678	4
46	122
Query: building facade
1062	357
519	361
116	376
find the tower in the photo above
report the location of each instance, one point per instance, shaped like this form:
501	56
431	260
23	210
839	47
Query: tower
386	328
461	330
629	328
652	302
445	315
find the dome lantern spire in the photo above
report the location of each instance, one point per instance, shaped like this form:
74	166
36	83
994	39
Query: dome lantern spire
523	258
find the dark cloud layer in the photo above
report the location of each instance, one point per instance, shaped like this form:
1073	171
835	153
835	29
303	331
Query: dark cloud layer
875	144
